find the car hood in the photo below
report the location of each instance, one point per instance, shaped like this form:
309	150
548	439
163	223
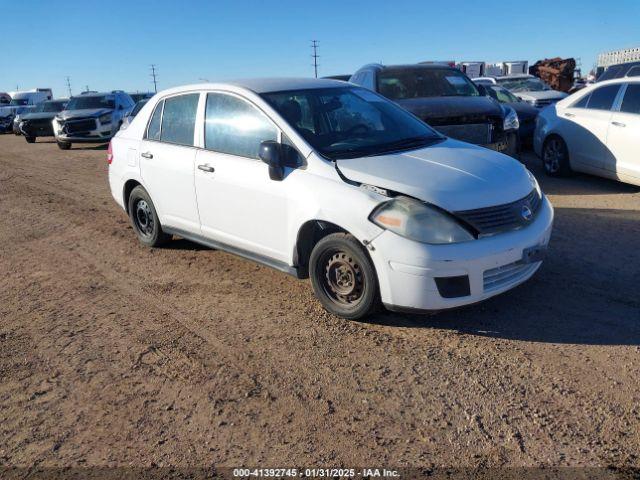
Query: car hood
524	110
442	110
451	174
541	95
87	112
38	116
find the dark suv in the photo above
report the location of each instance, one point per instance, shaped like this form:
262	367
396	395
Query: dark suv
446	99
630	69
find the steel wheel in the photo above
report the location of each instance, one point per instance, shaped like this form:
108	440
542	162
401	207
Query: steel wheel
343	280
144	218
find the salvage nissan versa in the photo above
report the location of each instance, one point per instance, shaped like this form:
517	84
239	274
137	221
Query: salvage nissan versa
331	181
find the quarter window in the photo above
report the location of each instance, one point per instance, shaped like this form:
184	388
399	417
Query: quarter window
153	130
582	103
631	101
235	127
602	98
179	119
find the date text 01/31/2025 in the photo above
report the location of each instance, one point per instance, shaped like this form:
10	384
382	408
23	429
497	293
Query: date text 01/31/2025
315	472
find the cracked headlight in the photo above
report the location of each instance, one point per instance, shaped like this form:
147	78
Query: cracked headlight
419	221
511	121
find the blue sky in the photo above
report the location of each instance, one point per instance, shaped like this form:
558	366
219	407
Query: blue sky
110	44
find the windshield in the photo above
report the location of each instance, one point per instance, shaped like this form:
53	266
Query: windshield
403	83
19	101
351	122
92	101
524	84
49	107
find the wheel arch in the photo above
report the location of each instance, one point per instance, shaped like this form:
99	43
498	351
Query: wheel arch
309	234
128	187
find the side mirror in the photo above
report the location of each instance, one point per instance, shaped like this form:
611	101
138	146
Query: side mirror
482	90
270	154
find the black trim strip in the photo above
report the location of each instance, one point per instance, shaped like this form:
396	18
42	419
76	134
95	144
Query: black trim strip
269	262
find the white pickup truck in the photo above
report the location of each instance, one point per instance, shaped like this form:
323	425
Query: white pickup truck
20	100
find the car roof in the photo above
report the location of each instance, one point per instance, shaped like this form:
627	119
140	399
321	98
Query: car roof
262	85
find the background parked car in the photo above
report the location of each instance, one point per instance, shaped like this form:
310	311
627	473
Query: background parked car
136	97
526	87
5	99
621	70
446	99
19	102
593	131
91	118
38	123
526	113
132	114
19	113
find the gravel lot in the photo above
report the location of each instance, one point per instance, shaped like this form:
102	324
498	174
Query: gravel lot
112	354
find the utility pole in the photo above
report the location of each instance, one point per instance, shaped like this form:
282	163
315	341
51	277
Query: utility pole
154	75
69	86
315	56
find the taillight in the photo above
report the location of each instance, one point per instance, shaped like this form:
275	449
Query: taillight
109	154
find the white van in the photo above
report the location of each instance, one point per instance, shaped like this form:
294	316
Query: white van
326	180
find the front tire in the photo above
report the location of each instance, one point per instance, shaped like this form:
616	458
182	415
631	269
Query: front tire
343	277
30	139
144	219
64	145
555	157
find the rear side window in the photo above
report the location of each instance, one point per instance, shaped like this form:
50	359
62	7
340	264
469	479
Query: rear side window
153	130
631	101
582	103
179	119
634	71
235	127
602	98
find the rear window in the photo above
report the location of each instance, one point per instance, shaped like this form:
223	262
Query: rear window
631	101
179	119
602	98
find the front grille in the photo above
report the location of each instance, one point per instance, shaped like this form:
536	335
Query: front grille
502	218
497	278
79	126
478	133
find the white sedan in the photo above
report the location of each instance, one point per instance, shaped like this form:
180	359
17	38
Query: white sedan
596	131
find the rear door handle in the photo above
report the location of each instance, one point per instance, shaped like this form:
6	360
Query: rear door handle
147	155
206	168
618	124
569	114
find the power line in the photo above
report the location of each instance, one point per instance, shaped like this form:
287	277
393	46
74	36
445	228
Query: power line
315	56
68	79
154	75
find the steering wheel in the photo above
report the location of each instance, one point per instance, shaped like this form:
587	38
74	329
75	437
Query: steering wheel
363	127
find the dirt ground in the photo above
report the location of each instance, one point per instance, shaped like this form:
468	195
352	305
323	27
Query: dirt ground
116	355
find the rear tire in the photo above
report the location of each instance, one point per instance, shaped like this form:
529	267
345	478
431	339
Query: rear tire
144	219
555	157
343	277
30	139
64	145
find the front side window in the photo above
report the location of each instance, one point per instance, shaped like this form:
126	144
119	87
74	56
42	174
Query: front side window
179	119
235	127
351	122
153	130
502	95
403	83
602	98
631	101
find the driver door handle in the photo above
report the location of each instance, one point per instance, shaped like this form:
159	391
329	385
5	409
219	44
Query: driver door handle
206	168
618	124
147	155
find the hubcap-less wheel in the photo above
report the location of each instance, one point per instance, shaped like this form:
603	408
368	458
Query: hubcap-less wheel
144	218
343	281
553	155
